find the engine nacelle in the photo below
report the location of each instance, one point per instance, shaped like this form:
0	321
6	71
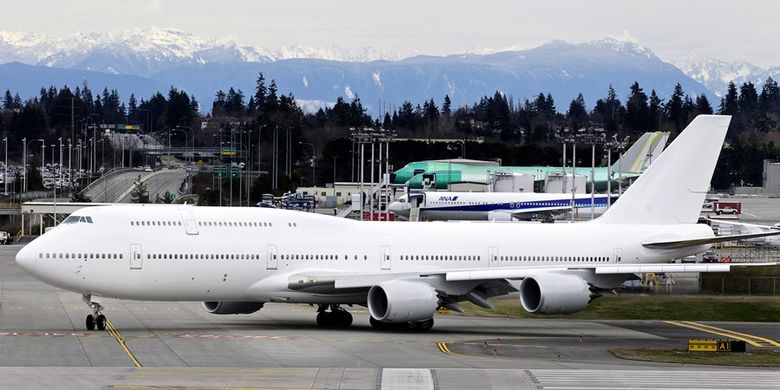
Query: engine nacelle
401	301
554	293
232	307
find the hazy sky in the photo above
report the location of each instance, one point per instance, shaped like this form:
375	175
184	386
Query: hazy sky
728	30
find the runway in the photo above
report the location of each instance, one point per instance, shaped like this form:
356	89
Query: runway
161	344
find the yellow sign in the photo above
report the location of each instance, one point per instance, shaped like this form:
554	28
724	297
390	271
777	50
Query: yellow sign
702	345
724	346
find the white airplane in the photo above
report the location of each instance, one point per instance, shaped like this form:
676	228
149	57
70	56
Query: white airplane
491	206
235	260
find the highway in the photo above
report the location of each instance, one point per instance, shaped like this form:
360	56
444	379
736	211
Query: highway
117	187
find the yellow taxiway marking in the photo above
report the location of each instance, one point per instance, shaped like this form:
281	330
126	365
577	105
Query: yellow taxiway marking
443	348
746	335
115	333
753	340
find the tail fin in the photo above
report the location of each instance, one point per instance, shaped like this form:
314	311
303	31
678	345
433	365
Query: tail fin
644	151
672	190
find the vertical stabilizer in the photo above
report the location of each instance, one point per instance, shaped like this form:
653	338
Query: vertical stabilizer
673	188
643	152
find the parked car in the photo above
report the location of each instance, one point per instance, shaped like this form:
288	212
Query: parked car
710	257
726	210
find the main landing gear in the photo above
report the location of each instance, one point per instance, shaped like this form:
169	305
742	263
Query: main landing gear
336	317
95	320
417	326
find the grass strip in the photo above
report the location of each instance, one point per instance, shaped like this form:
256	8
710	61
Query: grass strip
755	358
652	307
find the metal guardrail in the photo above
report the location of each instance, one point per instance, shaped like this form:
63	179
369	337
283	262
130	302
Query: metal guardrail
104	176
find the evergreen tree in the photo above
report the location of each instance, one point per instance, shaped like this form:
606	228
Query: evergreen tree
8	100
446	106
637	110
260	94
729	104
703	105
674	110
133	115
271	101
769	100
577	113
139	194
655	112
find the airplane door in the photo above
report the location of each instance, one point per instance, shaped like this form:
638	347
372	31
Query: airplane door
618	255
272	261
493	256
136	261
384	252
190	224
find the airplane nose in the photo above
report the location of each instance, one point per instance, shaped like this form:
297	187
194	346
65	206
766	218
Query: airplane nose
398	208
26	258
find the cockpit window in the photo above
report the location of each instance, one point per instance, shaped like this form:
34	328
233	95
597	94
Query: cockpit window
77	219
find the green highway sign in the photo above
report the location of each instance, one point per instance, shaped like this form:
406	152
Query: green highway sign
221	171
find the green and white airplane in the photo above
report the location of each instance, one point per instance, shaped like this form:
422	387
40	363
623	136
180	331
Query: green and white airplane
634	161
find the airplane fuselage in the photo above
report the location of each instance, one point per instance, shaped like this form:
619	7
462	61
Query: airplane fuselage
187	253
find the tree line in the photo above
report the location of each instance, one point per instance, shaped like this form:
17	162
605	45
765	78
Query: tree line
517	131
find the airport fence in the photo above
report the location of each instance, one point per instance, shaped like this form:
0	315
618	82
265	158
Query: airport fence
748	285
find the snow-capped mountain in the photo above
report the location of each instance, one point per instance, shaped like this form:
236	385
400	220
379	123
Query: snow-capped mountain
145	52
716	74
202	66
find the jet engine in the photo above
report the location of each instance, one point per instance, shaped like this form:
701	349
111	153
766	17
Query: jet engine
401	301
232	307
554	293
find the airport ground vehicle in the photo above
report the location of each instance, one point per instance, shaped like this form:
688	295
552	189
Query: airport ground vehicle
734	208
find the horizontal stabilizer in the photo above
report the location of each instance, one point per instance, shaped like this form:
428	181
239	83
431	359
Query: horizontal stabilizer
703	241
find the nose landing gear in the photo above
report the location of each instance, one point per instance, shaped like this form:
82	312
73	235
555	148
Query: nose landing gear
95	320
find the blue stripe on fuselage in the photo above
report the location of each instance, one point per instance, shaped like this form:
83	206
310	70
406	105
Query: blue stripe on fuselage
579	203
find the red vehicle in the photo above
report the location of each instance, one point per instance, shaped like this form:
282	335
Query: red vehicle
727	208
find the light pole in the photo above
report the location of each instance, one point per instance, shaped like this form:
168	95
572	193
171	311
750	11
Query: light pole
334	174
5	177
191	136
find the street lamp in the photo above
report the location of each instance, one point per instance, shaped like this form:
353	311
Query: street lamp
192	138
5	177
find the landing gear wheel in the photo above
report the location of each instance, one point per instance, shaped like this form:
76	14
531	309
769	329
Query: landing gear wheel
343	318
90	322
335	318
324	319
101	322
424	326
376	324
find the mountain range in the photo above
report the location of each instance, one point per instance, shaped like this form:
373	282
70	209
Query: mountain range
145	61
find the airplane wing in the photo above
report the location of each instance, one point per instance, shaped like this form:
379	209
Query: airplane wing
702	241
523	272
325	280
